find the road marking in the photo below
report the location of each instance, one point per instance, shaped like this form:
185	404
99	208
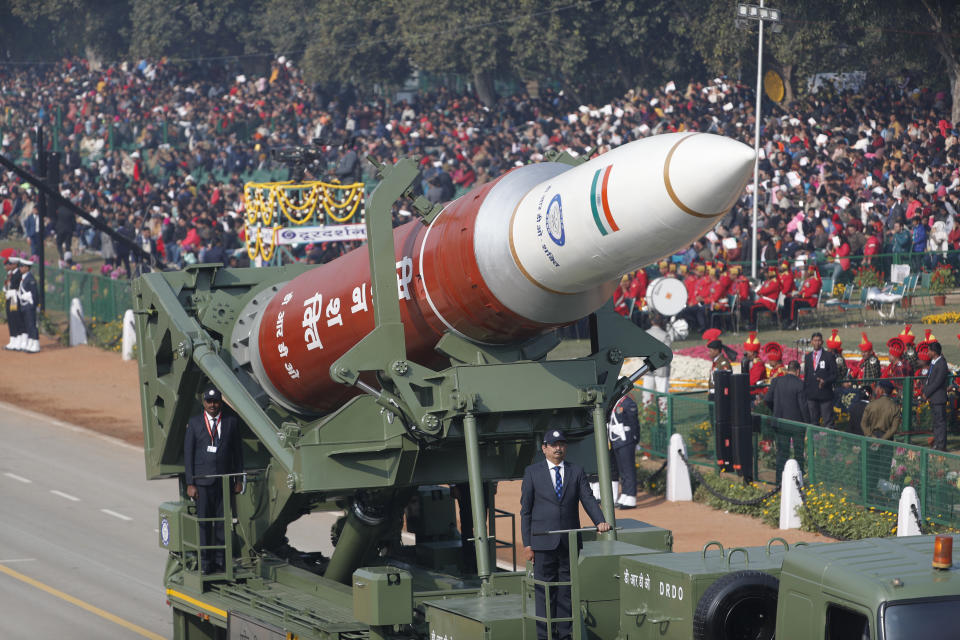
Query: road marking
65	495
17	560
106	615
14	476
115	514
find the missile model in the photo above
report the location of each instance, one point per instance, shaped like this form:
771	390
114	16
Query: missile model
540	247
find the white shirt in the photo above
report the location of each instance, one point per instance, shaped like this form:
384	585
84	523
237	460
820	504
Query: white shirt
213	420
553	474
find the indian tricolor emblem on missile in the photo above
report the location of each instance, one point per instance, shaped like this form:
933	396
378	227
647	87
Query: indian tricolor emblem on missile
599	203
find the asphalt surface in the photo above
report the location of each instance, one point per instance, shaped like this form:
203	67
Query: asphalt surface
79	550
79	542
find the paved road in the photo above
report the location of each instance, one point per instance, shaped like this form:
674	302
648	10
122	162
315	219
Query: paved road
79	551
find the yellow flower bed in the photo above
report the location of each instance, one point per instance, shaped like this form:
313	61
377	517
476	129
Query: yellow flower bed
825	510
948	317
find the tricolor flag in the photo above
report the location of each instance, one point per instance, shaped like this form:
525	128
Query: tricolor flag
599	203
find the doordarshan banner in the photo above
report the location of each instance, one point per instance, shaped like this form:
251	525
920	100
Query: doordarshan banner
322	233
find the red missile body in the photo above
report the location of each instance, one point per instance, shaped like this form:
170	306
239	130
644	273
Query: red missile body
330	308
531	250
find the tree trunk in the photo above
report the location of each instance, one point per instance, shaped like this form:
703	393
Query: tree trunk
787	77
93	58
955	93
533	87
483	81
943	42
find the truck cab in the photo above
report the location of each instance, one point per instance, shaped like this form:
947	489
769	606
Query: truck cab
877	588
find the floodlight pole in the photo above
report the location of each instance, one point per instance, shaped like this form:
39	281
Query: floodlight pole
758	13
756	150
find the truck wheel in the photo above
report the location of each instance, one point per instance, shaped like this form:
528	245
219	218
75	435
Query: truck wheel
738	606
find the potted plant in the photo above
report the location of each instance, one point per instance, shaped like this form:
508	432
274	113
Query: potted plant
941	281
866	277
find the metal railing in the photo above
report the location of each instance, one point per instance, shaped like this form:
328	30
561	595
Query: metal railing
103	298
873	472
505	544
530	585
191	545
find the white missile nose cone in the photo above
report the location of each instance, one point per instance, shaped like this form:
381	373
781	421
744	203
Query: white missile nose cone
704	174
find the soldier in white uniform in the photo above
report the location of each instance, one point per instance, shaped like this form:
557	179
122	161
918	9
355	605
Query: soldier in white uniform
28	296
11	285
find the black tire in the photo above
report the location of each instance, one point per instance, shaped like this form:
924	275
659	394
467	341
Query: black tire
738	606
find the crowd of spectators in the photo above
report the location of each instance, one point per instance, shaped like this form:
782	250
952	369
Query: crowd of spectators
159	152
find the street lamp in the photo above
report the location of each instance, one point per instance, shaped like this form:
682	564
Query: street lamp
761	14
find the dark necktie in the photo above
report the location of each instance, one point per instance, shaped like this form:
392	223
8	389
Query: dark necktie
558	485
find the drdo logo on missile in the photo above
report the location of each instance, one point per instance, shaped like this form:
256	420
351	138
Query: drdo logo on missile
555	221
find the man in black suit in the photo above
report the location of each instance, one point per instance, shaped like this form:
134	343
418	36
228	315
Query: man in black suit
935	391
211	449
819	374
550	496
789	402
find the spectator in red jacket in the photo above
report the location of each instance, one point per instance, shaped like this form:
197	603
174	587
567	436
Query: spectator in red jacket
807	297
767	296
839	250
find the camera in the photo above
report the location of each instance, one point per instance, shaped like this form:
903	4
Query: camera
297	159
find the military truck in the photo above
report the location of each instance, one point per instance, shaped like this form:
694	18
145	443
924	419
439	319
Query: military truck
875	588
467	414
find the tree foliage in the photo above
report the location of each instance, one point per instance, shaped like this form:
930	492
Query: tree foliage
180	29
353	41
595	48
74	27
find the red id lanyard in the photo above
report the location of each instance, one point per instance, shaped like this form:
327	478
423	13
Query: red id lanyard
206	419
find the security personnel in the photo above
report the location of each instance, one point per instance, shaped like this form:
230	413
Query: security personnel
211	449
623	430
753	364
898	367
870	368
11	286
787	399
27	298
910	353
935	391
819	375
773	352
550	497
881	418
718	356
835	344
